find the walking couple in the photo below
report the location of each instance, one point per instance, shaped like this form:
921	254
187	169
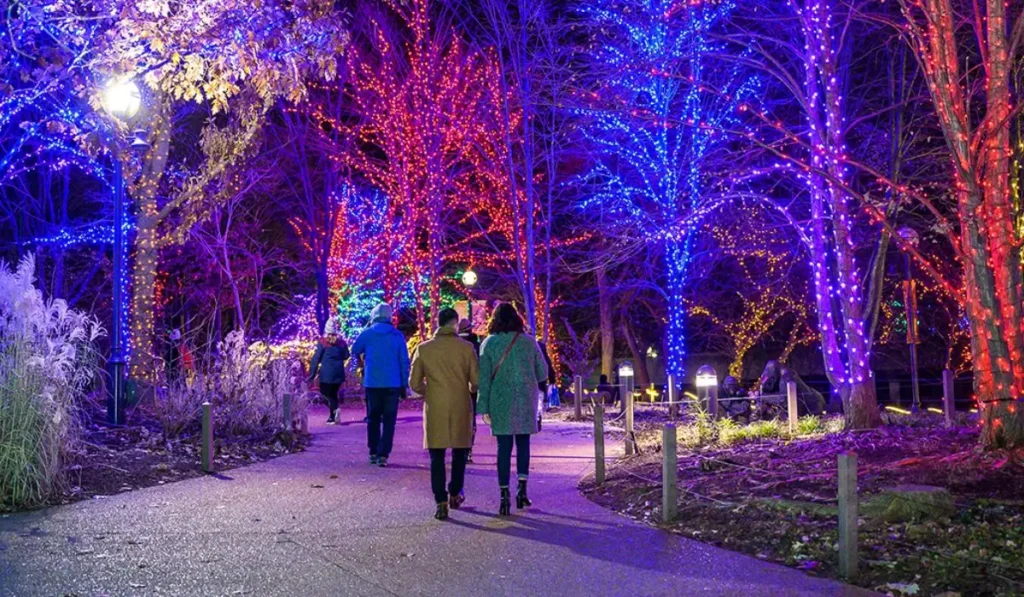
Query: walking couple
509	373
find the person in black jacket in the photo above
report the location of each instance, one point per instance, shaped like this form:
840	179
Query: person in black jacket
466	333
329	358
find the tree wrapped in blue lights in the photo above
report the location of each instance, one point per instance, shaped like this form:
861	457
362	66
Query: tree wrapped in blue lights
655	111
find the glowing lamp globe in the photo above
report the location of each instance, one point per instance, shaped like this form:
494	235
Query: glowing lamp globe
626	369
122	98
707	377
469	278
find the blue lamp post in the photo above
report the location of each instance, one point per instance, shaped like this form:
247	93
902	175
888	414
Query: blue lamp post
121	99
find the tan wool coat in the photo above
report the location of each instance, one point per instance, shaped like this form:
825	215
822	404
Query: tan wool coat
444	371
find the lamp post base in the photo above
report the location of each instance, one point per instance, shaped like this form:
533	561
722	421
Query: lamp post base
116	393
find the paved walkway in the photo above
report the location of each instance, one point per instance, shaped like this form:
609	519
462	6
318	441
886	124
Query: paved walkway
290	527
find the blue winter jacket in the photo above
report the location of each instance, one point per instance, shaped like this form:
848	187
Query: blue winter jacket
387	357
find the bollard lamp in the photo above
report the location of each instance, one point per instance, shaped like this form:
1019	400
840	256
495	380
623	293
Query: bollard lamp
707	388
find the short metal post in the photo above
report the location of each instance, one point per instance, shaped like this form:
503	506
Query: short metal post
948	406
599	444
713	402
848	515
673	398
791	406
630	439
577	395
669	472
894	392
286	407
207	450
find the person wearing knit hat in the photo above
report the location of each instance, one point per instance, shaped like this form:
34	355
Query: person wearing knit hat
385	375
329	358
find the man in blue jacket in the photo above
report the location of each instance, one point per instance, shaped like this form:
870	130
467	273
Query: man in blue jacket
385	375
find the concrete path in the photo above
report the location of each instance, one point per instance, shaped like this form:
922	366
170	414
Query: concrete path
286	527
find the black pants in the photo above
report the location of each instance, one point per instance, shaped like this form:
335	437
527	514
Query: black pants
472	437
437	472
330	392
383	405
522	443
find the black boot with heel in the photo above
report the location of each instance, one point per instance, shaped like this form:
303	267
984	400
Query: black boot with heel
505	508
522	501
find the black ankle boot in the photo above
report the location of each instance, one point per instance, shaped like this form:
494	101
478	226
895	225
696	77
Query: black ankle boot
506	507
521	500
442	511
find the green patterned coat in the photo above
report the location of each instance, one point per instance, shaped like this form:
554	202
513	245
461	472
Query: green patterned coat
511	398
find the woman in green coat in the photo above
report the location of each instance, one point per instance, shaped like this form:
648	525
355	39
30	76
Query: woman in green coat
512	372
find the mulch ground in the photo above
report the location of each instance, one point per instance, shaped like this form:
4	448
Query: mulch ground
111	460
776	500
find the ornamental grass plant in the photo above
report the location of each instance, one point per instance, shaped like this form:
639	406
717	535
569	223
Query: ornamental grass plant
47	363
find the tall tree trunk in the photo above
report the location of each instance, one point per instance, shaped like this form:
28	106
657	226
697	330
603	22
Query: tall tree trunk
143	325
604	295
981	159
640	374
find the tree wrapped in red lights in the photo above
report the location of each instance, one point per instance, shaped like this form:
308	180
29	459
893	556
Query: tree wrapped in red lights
950	38
419	92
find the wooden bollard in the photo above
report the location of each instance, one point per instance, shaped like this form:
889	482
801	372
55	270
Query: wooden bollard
599	444
207	450
791	406
673	398
848	515
630	439
948	404
669	474
286	411
577	396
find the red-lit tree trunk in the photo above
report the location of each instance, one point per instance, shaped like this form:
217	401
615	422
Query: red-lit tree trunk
981	158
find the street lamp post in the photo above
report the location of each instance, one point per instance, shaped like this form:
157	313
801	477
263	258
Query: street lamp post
469	280
122	100
910	302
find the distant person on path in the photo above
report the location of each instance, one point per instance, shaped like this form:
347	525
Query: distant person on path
385	374
444	371
512	369
466	333
551	371
329	358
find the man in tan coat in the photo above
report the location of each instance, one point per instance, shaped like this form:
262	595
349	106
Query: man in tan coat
444	371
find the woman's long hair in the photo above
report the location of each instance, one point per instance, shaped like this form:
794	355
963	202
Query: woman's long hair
505	318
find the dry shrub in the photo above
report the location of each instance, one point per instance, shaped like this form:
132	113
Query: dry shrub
245	384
